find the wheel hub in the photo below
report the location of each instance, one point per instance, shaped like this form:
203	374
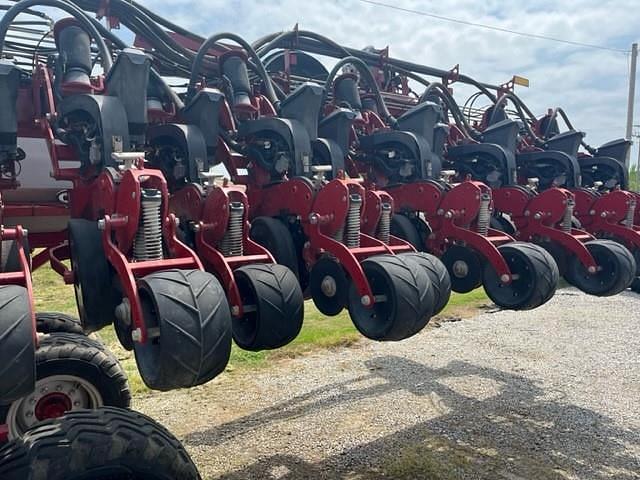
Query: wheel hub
52	405
328	286
53	397
460	269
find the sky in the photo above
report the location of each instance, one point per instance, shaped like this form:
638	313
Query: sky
591	85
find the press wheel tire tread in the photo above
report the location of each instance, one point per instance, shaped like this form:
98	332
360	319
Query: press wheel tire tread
273	234
546	275
280	304
17	346
625	265
439	276
190	309
97	444
53	322
410	293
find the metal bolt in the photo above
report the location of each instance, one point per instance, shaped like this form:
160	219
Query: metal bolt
177	222
592	270
136	335
537	216
366	300
102	224
505	278
235	310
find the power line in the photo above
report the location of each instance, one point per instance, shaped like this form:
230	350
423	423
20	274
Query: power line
490	27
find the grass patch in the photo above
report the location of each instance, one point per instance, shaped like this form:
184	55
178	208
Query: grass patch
318	332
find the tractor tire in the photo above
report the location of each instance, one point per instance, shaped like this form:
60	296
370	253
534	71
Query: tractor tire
439	276
102	444
189	311
405	229
96	296
273	234
537	280
279	307
52	322
17	345
73	372
409	300
617	269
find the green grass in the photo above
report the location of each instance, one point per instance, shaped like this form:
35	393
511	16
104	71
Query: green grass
318	332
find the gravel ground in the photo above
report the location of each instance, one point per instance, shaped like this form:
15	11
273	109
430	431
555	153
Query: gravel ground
551	393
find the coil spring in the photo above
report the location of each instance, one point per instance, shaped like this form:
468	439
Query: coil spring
567	224
384	226
484	215
631	213
148	242
232	244
352	227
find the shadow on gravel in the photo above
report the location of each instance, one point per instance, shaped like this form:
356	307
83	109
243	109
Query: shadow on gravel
518	431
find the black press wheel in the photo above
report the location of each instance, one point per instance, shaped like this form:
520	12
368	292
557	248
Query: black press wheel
616	269
73	372
17	346
103	444
274	307
189	323
53	322
439	276
536	277
503	224
9	255
274	235
405	228
464	267
95	293
403	302
329	286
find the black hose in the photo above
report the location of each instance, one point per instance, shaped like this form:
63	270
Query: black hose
363	68
78	14
521	113
210	42
442	92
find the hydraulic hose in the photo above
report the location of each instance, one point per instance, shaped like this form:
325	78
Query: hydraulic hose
521	113
210	42
363	68
442	92
75	12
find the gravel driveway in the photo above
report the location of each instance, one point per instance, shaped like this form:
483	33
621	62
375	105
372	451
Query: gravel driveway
551	393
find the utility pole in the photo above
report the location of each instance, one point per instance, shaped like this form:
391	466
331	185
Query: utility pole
632	96
633	173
